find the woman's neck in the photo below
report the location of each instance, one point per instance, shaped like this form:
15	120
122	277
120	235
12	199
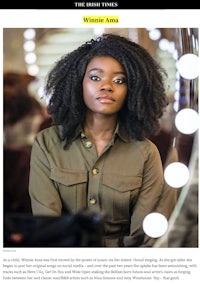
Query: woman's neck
100	129
99	125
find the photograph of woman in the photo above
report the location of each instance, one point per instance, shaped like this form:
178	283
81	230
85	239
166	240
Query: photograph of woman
105	99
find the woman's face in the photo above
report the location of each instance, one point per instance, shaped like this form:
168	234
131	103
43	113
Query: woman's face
104	85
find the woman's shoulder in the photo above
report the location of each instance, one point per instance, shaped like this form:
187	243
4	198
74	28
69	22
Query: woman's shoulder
51	130
49	136
146	142
146	146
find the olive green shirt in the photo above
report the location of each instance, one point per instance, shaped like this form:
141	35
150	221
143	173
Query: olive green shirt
125	182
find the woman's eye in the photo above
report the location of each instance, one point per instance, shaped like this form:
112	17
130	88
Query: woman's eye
94	78
120	80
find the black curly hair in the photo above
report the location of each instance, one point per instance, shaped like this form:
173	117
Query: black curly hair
145	100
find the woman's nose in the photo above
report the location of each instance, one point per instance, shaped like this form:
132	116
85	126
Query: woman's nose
107	86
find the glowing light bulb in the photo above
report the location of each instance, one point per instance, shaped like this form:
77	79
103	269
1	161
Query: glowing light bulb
188	66
176	174
155	225
187	121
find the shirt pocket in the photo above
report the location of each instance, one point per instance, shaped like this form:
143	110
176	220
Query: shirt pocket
119	194
72	187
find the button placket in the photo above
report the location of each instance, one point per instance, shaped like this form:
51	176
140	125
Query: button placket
92	200
86	142
95	171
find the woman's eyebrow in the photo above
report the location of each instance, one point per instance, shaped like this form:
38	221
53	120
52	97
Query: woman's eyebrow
101	71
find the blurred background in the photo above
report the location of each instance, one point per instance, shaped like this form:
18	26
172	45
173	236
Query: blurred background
28	55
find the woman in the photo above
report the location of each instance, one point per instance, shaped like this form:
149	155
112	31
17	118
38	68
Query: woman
106	97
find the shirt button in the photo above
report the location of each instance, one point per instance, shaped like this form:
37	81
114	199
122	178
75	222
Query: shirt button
83	135
95	171
92	200
88	144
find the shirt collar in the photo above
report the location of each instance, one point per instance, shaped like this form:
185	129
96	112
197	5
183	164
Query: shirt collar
119	131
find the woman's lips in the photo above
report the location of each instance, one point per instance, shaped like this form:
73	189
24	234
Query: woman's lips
105	99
